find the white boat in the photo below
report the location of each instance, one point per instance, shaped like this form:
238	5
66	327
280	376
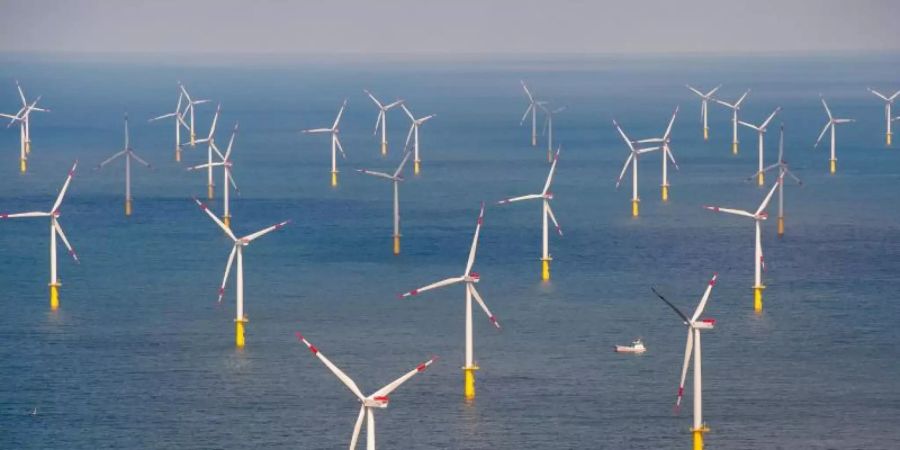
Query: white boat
635	347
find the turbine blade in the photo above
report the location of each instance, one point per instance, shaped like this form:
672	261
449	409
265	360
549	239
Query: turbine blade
822	134
688	347
62	192
402	163
738	212
250	237
215	219
553	218
227	271
674	308
62	235
484	307
474	247
552	171
357	427
705	298
393	385
110	159
765	202
439	284
518	199
334	369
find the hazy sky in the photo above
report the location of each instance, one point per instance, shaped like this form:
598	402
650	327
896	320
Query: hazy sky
452	26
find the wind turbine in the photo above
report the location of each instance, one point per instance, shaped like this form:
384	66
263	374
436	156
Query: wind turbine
227	180
179	122
735	107
633	157
694	325
761	132
546	212
189	108
237	251
470	278
783	170
379	399
395	179
129	154
832	123
548	126
758	263
335	141
888	101
414	135
704	107
55	230
211	147
382	119
23	116
665	140
532	108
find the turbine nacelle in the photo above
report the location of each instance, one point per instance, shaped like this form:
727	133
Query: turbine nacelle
472	277
704	324
381	401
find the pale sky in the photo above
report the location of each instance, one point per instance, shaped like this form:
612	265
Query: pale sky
448	27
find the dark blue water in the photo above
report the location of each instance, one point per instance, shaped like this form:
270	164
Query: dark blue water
141	356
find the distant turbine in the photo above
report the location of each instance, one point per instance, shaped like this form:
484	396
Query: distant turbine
55	230
237	250
395	179
179	122
735	107
227	179
129	154
667	156
379	399
888	101
832	123
783	170
189	108
761	132
548	127
546	212
694	324
633	156
704	107
382	119
414	135
23	117
532	108
470	278
211	148
758	261
335	141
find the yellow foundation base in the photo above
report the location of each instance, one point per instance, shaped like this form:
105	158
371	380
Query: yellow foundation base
210	191
23	165
888	139
469	388
383	148
545	270
54	296
396	245
635	210
761	179
780	226
239	333
333	179
178	154
127	207
665	193
734	148
757	299
227	221
833	166
705	134
416	168
698	437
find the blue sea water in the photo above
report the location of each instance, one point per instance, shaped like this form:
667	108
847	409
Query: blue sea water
140	355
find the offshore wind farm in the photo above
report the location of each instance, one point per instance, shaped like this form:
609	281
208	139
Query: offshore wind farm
148	341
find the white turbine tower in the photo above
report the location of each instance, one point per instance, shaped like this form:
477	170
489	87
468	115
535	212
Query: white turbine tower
735	107
832	123
546	212
694	325
470	278
414	135
334	131
55	230
888	101
532	108
665	141
783	170
704	107
379	399
758	262
395	179
23	117
179	123
211	148
632	160
237	252
189	108
382	119
761	132
548	127
128	153
227	179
